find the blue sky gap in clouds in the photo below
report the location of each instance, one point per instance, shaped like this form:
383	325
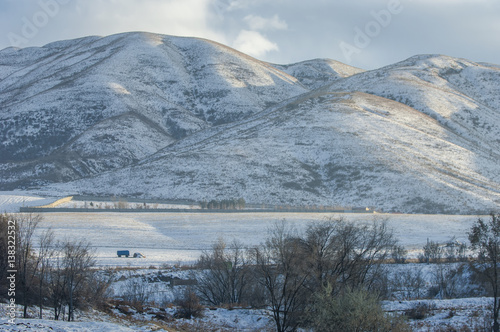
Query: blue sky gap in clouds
363	33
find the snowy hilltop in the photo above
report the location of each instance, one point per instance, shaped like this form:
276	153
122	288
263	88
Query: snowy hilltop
147	115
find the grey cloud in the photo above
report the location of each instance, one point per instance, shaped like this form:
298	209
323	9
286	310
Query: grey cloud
316	28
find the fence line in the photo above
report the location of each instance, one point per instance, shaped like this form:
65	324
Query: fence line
87	210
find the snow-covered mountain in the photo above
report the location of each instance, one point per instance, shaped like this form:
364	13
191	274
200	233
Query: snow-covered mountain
91	104
184	118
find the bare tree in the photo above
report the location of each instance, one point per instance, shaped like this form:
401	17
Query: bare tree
77	261
432	252
280	268
399	254
292	268
32	260
409	283
343	254
320	242
56	288
28	263
59	273
70	273
484	237
225	277
45	253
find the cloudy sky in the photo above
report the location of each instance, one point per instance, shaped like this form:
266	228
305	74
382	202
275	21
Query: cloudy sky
364	33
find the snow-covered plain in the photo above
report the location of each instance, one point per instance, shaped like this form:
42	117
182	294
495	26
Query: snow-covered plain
171	238
11	201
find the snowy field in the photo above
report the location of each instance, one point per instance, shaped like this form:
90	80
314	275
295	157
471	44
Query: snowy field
11	201
172	238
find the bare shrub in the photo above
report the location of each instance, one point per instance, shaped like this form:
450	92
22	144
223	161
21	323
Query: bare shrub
225	277
409	283
356	310
420	311
137	290
189	305
432	252
450	280
455	251
98	289
398	254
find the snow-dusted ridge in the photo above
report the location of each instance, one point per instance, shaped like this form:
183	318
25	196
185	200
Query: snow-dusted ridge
318	72
185	118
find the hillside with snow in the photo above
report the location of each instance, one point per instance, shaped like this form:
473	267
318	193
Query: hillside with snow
147	115
80	107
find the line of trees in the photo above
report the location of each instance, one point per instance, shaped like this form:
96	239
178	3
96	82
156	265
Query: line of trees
225	204
302	277
50	273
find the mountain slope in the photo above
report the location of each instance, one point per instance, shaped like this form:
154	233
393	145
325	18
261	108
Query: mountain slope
330	148
57	99
180	118
464	97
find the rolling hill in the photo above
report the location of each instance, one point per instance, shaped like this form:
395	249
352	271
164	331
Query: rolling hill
139	114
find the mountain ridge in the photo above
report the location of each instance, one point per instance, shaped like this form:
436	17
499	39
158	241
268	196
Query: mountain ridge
140	114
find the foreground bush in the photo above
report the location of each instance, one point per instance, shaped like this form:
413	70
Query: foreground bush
356	310
189	306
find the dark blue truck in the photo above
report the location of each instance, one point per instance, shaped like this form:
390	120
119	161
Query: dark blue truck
121	253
